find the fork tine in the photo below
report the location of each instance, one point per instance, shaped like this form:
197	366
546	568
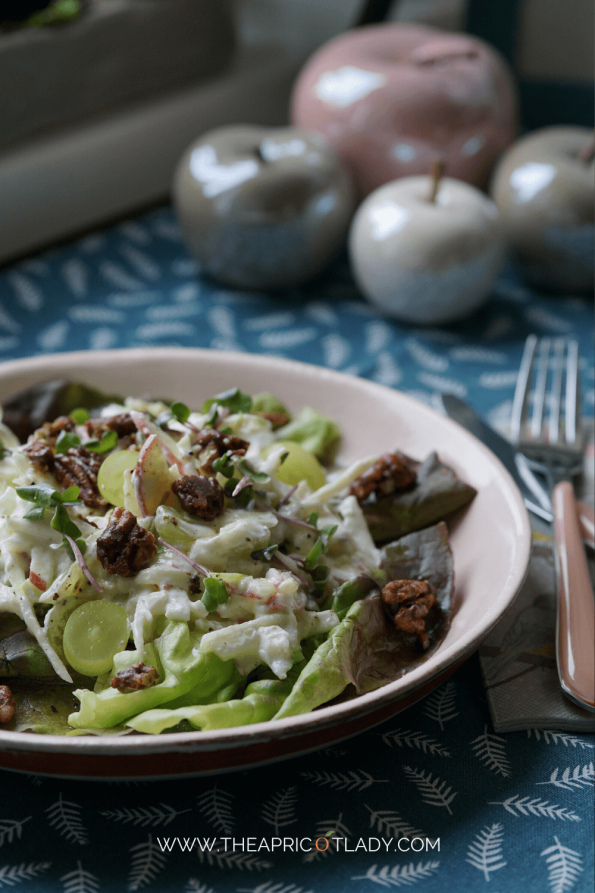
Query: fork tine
519	402
540	388
572	404
555	415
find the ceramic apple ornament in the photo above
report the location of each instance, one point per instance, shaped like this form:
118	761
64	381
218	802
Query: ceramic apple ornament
262	207
390	97
544	188
425	250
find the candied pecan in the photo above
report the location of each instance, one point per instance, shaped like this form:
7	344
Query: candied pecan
277	419
218	444
40	455
123	424
124	547
50	431
200	496
78	466
408	602
134	678
7	705
390	474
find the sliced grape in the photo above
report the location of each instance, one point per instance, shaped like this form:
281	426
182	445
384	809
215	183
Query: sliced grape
110	479
93	634
300	465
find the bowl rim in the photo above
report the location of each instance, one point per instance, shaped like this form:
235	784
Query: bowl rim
322	717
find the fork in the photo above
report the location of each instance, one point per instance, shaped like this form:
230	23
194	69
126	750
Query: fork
551	440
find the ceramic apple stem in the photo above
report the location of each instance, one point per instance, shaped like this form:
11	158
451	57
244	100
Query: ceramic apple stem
586	154
436	174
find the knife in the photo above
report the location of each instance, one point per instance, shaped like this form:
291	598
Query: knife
536	497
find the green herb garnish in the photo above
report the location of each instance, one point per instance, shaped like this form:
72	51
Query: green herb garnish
79	415
45	497
215	594
63	524
223	465
248	471
180	411
66	440
107	443
233	399
263	554
319	547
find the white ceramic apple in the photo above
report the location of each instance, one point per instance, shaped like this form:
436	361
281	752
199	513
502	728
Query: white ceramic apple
262	207
544	188
425	258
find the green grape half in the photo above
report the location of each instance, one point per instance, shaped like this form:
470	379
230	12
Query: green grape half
93	634
110	479
300	465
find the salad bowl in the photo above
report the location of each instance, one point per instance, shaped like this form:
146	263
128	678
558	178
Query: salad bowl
490	541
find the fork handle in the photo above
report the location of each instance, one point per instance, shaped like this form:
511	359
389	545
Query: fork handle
575	639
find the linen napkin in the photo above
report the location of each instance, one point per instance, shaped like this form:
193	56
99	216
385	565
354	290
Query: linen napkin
518	658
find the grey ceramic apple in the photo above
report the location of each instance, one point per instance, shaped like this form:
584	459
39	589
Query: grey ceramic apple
544	188
424	251
261	207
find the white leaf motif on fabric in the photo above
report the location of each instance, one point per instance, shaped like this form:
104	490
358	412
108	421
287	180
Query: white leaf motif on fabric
80	881
516	805
279	811
397	875
433	791
579	777
564	867
490	749
216	806
485	852
414	739
65	817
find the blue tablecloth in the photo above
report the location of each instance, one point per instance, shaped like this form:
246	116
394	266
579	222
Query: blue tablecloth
478	810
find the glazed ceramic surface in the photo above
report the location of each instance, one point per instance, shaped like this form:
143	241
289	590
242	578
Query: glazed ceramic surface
389	98
426	261
545	191
490	541
261	207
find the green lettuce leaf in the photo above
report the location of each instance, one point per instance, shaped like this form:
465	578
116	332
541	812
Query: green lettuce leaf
261	702
314	432
365	651
437	494
180	670
264	403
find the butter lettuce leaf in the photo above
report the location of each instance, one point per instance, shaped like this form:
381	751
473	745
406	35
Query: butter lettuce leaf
314	432
261	701
181	668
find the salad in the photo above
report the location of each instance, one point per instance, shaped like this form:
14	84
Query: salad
163	569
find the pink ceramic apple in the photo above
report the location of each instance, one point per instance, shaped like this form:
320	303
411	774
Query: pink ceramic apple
544	188
424	251
389	97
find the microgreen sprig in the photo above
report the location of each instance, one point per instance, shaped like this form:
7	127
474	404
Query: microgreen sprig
215	594
66	440
46	497
234	400
224	465
319	547
79	415
107	443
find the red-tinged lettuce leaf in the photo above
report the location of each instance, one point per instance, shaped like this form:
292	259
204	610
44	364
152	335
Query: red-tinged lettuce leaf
364	651
423	555
26	411
437	494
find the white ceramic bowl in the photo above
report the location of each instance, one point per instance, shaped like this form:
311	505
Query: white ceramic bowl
490	540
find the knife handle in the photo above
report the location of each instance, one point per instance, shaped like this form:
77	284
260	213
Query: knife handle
575	634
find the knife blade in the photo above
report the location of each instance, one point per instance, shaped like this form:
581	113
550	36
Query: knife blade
535	496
